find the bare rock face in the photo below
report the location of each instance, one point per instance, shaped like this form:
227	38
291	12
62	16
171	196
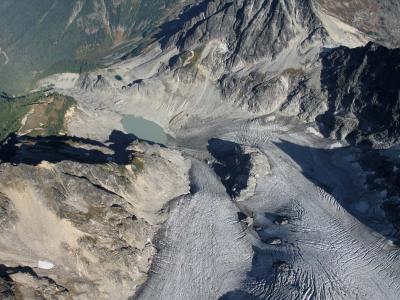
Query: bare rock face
250	29
234	74
375	18
97	83
257	52
362	88
273	56
78	217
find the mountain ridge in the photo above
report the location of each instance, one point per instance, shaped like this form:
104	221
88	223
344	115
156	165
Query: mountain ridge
278	179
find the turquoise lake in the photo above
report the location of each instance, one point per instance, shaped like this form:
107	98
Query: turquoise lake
144	129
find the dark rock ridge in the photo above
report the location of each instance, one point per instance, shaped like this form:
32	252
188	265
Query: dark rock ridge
384	176
9	289
363	90
239	41
232	166
250	29
54	149
272	59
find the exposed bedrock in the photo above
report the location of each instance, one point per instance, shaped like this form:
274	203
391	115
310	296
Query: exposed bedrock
362	86
232	165
375	18
237	166
241	26
79	216
239	84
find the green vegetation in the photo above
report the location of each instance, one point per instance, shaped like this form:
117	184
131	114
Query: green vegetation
54	117
72	66
13	110
42	114
137	165
43	37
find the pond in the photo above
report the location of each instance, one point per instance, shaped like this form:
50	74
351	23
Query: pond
144	129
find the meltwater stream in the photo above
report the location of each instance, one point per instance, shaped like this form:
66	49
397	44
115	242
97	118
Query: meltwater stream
144	129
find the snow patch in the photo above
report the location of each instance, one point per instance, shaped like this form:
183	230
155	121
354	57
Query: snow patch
336	145
45	265
314	131
270	118
5	56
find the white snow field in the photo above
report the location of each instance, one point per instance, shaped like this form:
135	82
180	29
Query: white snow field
323	252
46	265
204	251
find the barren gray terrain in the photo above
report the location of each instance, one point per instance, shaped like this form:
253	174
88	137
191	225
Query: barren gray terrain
278	179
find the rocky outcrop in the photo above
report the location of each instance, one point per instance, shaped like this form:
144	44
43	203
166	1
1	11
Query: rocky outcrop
78	217
238	167
251	30
223	66
375	18
269	56
362	90
258	53
232	165
87	82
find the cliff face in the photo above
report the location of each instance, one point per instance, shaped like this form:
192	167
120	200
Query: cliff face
255	52
79	217
282	56
375	18
275	210
362	87
250	30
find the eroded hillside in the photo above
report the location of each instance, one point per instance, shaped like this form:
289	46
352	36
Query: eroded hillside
270	185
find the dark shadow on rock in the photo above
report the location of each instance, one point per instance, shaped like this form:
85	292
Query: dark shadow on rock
33	150
119	142
363	90
170	28
193	186
237	295
5	273
344	190
134	82
267	267
271	262
232	165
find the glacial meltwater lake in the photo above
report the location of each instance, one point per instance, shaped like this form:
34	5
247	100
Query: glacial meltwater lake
144	129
